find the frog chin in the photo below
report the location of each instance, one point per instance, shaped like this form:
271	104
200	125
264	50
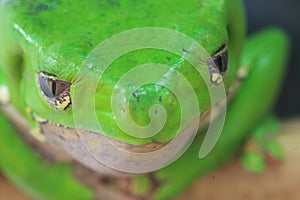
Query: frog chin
90	148
84	146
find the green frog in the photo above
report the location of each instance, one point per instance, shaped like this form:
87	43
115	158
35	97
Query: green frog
45	44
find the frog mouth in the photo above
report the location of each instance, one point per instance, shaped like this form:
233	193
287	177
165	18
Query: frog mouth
102	153
75	144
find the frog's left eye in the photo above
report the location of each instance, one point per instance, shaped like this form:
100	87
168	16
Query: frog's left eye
218	65
56	92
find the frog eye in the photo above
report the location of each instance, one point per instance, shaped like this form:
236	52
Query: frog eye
218	65
56	92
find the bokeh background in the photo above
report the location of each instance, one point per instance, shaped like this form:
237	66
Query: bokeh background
286	15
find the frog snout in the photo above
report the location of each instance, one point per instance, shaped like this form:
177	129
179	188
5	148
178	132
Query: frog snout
155	112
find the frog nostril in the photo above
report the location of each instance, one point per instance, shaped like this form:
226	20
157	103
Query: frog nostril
136	96
56	92
159	98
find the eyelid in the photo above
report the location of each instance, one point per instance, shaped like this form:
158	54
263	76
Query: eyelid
221	50
48	75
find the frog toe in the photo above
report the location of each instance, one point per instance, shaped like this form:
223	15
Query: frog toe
262	148
253	162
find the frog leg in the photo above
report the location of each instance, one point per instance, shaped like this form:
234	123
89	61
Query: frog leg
262	146
264	58
27	169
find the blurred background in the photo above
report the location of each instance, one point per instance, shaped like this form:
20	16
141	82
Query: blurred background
286	15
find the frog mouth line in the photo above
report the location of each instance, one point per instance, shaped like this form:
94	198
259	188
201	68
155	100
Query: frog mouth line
65	133
68	140
71	142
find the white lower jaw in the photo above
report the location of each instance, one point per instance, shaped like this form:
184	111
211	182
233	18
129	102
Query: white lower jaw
68	140
112	157
91	153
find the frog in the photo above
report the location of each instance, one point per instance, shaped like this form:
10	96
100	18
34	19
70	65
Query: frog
43	46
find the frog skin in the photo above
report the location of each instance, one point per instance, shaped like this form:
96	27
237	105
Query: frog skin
46	41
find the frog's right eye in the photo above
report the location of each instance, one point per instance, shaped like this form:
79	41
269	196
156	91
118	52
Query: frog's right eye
218	65
56	92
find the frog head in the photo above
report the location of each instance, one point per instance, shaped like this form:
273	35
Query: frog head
56	37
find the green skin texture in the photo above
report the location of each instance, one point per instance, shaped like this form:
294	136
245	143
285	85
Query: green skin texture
59	50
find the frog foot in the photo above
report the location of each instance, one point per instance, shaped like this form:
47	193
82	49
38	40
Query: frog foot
125	187
262	148
141	187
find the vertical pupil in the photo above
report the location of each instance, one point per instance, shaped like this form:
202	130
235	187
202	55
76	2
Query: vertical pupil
53	87
221	62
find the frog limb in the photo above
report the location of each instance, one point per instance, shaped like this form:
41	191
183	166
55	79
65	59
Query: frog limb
261	142
262	146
